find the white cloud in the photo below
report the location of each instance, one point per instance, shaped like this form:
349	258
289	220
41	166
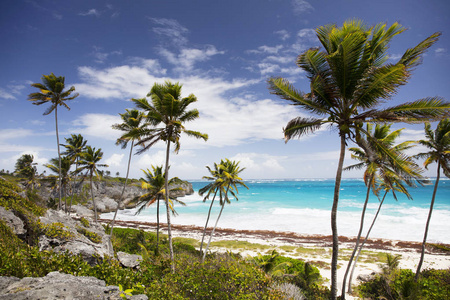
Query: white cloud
97	125
256	164
114	160
301	6
6	95
187	57
11	92
267	49
283	34
170	29
91	12
146	160
100	56
7	134
395	56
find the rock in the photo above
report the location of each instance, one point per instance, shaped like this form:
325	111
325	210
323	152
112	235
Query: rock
366	277
82	211
59	286
12	221
75	237
129	260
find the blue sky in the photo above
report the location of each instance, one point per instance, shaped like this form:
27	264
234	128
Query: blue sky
221	51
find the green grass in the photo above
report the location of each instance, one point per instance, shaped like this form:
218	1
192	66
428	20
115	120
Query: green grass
241	245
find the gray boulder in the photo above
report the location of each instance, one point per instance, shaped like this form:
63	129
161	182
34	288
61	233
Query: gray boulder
129	260
74	237
59	286
12	221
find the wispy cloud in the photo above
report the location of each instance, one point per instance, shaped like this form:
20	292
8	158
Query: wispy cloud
11	91
91	12
266	49
188	57
301	7
170	30
283	34
101	57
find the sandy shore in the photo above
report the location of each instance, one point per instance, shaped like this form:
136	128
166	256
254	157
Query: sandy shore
315	248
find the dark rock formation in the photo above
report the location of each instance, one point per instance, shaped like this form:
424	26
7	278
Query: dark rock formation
59	286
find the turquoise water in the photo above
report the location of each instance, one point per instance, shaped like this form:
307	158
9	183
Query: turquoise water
304	206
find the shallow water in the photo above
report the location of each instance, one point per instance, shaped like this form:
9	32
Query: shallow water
304	206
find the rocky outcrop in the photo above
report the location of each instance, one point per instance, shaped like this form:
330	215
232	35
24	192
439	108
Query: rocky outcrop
59	286
129	260
86	238
12	221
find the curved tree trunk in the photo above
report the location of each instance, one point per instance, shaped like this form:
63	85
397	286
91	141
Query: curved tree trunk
362	245
59	158
73	187
157	226
166	199
207	220
123	190
361	226
337	187
419	266
93	200
212	232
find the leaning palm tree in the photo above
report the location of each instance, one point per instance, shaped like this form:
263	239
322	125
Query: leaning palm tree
229	184
170	111
132	122
154	184
89	162
212	187
64	172
438	142
349	80
75	145
51	90
380	158
27	168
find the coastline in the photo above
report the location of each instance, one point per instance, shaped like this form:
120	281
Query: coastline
286	242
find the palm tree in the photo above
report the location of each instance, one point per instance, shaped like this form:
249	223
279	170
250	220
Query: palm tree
438	142
154	183
132	120
51	90
169	110
381	158
27	168
75	145
230	181
349	79
210	188
66	163
89	161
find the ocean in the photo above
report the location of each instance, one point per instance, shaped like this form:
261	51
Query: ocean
304	206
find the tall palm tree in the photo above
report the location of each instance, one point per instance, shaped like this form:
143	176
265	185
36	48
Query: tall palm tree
27	168
349	79
170	111
89	161
51	90
66	164
438	141
212	187
380	158
154	183
75	145
229	184
132	122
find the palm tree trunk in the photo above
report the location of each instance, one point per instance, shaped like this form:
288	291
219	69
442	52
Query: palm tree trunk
362	244
157	226
361	226
212	232
166	198
419	266
59	156
337	187
93	201
123	189
73	187
207	220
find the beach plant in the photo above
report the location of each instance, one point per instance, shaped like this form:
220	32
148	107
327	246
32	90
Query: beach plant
64	172
154	184
51	90
381	158
212	187
228	184
89	162
349	79
438	143
132	122
75	145
26	167
169	111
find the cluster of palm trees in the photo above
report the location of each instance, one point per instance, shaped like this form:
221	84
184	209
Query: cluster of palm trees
349	79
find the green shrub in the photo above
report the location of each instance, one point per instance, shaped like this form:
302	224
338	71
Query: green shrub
85	222
56	230
92	236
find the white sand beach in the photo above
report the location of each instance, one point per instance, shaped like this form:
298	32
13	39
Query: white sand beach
315	248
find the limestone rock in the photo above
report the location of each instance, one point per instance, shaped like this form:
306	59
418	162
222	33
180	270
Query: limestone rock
12	221
129	260
59	286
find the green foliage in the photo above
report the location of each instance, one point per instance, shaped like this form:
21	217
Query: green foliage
92	236
11	199
56	230
85	222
